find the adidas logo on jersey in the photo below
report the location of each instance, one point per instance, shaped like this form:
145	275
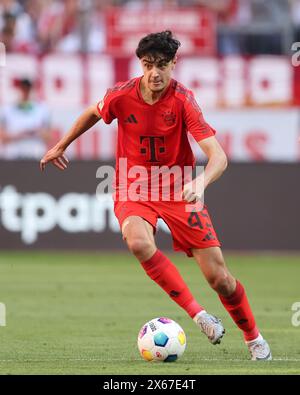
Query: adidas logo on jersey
131	119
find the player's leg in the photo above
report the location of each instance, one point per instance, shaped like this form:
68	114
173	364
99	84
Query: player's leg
233	297
187	230
139	237
138	234
212	265
194	234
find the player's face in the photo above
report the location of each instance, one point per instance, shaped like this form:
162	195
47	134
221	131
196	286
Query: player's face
157	72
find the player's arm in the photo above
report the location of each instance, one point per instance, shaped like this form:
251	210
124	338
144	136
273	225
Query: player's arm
204	135
217	159
56	154
216	165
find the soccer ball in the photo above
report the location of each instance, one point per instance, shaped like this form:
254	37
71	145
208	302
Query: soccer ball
161	339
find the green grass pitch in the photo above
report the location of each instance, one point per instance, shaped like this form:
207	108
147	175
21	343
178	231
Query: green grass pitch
77	313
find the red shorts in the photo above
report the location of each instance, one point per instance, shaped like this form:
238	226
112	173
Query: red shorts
189	229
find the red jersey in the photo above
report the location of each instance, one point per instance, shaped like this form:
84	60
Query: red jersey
154	135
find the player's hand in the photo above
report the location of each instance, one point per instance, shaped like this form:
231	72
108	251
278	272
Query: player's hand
56	156
192	192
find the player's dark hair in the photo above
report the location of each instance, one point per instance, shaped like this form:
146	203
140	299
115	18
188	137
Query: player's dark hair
157	44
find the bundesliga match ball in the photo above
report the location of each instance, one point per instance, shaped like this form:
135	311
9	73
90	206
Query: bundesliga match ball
161	339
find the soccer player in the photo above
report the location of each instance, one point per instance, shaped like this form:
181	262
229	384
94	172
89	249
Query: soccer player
154	114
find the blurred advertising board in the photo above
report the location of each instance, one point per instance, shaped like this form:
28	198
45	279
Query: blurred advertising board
247	135
257	135
250	102
253	206
68	81
195	28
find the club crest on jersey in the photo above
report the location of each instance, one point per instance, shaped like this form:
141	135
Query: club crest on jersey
169	118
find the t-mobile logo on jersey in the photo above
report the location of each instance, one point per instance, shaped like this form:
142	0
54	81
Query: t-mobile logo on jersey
154	145
2	314
2	55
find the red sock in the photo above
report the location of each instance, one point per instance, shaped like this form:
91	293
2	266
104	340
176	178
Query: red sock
238	307
161	270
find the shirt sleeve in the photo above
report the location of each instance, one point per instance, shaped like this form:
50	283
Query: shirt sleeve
105	109
195	121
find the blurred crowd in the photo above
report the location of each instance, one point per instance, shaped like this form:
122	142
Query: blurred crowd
244	26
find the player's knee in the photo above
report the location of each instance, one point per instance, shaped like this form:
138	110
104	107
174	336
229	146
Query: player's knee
139	246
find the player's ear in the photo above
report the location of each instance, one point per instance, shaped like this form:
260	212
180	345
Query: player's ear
174	62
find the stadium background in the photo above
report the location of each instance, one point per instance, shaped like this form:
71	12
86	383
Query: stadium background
236	55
